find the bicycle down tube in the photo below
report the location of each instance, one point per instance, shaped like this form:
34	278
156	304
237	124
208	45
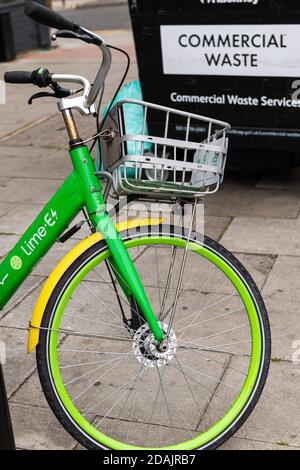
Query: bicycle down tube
81	188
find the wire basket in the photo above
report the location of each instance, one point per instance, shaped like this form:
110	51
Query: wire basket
149	159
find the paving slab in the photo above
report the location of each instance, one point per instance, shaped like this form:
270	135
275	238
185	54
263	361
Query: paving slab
38	429
214	227
29	190
3	180
18	311
39	136
7	242
35	162
19	365
236	443
15	117
276	417
28	286
19	217
53	257
235	200
273	236
285	327
5	207
258	266
283	283
63	58
30	393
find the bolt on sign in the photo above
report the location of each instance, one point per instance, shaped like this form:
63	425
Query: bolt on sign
235	60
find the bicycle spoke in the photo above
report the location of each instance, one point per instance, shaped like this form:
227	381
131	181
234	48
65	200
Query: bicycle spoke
88	351
158	278
90	371
213	348
185	425
211	319
153	409
165	400
206	281
222	332
133	404
128	384
182	267
123	280
210	401
107	307
206	307
211	378
199	351
121	296
118	362
202	386
79	364
187	382
101	322
168	283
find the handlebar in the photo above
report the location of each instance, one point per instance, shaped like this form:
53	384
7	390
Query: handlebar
18	77
48	17
53	19
40	77
101	76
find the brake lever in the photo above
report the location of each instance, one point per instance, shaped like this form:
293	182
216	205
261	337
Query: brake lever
72	35
42	94
58	92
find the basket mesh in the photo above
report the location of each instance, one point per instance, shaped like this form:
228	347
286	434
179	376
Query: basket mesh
167	154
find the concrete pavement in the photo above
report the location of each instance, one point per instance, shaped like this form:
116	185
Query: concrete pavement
257	217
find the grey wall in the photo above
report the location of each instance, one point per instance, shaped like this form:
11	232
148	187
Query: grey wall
27	34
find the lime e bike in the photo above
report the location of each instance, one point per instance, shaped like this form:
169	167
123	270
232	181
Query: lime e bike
148	335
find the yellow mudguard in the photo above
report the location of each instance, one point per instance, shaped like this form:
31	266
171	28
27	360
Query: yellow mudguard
61	268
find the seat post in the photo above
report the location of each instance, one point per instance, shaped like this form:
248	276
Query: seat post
71	127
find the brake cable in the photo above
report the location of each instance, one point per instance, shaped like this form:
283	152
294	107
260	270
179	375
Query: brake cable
98	123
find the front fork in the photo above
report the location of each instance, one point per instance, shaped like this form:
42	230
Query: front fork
101	221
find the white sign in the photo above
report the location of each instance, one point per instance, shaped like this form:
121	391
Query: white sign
208	2
238	50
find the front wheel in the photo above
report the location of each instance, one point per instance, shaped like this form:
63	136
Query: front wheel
100	368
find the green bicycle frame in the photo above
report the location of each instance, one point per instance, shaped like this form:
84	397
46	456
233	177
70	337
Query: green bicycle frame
81	189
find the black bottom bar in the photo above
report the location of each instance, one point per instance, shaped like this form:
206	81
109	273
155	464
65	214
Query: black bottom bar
7	440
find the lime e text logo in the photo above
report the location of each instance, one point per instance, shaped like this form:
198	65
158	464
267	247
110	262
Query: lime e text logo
29	246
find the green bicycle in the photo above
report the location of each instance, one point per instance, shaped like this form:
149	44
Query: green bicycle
148	336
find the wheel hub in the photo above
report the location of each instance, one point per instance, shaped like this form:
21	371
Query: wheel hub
146	349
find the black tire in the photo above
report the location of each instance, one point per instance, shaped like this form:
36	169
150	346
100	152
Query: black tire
42	361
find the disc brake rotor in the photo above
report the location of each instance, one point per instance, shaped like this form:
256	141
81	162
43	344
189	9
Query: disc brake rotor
145	346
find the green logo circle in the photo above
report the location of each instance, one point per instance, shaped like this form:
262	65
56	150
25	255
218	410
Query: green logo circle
16	263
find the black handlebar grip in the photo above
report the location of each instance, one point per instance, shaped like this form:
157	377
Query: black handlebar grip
48	17
18	77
